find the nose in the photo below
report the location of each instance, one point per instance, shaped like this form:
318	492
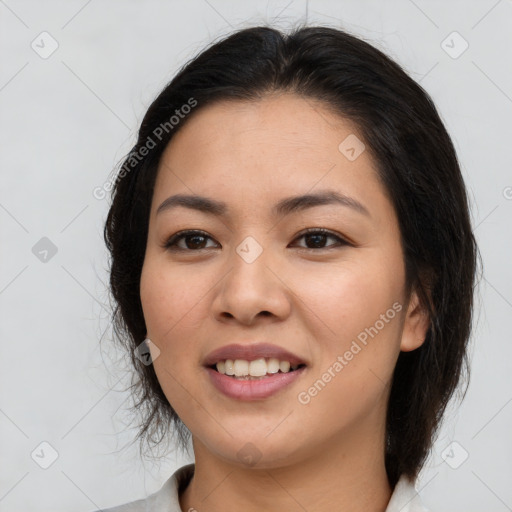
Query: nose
251	290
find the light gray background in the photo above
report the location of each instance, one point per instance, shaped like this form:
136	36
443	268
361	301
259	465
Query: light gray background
67	119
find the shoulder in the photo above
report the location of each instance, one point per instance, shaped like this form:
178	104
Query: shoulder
405	498
166	499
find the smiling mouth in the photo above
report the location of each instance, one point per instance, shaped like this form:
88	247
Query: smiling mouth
241	369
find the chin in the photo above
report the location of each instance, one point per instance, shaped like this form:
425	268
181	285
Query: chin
257	450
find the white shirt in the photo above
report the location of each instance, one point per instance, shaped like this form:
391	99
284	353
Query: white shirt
404	497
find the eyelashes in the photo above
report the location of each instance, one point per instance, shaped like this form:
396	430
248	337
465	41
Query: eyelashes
195	240
171	243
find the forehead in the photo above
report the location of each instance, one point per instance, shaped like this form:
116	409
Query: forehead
272	125
279	145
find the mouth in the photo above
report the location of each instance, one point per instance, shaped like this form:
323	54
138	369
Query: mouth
257	369
253	372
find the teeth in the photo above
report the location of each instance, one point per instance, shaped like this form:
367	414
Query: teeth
273	365
241	368
256	368
229	367
284	366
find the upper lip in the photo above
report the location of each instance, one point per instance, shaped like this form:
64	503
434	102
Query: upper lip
250	353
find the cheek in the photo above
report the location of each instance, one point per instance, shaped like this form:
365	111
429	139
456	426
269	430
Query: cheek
173	311
346	300
356	316
166	297
356	354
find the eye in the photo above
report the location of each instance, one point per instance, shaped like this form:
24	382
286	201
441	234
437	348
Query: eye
318	236
194	240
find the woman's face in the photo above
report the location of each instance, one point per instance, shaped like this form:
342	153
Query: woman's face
335	300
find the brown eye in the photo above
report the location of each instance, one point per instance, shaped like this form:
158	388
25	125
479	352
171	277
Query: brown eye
194	241
317	238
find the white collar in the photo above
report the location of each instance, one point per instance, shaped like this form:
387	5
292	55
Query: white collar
405	498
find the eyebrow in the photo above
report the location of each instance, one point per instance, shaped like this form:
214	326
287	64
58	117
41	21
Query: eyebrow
284	207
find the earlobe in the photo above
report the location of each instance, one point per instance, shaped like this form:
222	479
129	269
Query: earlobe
416	324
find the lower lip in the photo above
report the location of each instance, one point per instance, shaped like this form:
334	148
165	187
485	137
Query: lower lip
253	389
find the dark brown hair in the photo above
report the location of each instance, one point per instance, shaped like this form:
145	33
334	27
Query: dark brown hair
415	160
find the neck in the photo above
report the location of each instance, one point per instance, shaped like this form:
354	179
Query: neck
351	473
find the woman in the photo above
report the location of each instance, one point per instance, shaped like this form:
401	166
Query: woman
293	266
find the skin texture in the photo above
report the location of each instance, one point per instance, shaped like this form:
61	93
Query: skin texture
312	301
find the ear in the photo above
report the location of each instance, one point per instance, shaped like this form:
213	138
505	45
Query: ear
416	324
